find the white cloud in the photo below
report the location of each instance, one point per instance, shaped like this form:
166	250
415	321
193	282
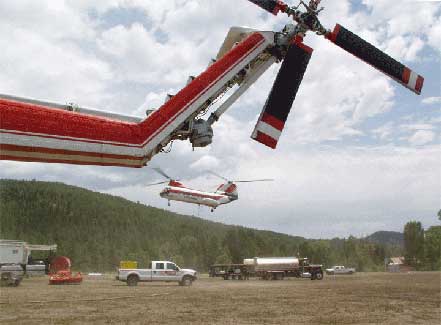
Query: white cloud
434	35
41	55
431	100
139	57
417	126
206	163
55	20
421	137
384	131
407	26
406	48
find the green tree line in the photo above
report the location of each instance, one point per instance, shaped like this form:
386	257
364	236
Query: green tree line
422	248
97	231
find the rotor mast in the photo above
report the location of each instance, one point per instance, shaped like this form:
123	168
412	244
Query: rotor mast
306	21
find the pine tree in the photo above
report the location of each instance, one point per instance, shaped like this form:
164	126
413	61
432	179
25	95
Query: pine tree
413	243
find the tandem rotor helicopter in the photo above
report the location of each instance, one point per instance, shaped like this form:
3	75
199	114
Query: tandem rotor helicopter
39	131
225	192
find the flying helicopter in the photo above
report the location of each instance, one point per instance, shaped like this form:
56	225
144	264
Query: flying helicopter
225	192
39	131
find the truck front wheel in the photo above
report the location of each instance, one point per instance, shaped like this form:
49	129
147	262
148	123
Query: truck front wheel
132	280
317	276
186	281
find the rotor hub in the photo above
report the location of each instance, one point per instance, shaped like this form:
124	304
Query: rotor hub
202	133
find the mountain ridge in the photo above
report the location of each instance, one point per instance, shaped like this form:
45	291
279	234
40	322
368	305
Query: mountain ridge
387	238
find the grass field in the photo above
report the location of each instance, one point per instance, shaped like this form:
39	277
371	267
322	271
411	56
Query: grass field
364	298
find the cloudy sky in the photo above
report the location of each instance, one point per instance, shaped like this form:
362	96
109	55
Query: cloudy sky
359	153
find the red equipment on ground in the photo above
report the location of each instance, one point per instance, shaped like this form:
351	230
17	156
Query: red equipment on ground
60	272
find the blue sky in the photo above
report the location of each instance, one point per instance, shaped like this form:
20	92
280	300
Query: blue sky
360	153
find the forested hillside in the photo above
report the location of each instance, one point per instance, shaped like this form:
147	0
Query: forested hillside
387	237
98	230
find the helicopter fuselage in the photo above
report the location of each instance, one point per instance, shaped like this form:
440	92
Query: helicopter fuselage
39	131
184	194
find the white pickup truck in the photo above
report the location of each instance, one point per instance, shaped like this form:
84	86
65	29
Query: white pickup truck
159	271
340	269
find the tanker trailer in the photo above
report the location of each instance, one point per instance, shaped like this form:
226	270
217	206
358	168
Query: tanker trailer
277	268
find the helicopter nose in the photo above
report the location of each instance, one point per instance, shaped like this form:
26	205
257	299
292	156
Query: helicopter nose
234	197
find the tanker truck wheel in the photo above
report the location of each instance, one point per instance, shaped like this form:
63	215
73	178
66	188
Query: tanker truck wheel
132	280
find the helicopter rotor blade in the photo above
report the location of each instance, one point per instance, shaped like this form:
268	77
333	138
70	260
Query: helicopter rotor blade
217	175
161	172
365	51
163	182
272	6
272	120
254	180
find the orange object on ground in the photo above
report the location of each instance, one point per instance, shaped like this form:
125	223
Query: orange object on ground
59	263
65	277
60	272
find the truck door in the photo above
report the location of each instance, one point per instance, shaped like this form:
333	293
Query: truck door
158	271
171	272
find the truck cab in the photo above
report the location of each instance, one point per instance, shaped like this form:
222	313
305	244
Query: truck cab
165	271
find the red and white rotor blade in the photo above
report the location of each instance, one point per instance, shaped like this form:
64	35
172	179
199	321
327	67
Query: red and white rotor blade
272	6
376	58
272	120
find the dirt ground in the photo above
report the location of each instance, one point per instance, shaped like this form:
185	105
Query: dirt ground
363	298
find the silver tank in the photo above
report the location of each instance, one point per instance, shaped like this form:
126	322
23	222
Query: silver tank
272	263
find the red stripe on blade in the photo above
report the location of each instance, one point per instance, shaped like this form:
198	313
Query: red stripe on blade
266	140
281	6
406	75
298	40
333	35
419	84
274	122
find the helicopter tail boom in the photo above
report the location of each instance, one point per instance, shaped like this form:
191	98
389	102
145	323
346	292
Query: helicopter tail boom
42	132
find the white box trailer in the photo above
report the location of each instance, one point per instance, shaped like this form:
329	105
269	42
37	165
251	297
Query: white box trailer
19	253
13	252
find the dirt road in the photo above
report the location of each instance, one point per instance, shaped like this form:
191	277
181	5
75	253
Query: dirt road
364	298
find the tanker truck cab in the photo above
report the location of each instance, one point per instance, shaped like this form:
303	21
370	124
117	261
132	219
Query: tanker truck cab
165	271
